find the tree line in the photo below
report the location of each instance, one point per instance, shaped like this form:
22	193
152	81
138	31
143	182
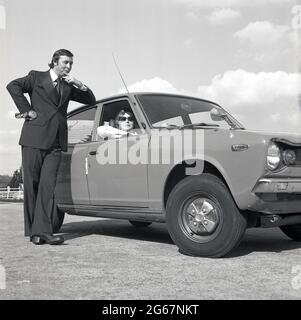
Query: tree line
13	181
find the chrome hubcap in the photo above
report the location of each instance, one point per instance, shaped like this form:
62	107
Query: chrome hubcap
200	217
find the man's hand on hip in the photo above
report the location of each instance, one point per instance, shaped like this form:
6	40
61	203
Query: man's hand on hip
30	115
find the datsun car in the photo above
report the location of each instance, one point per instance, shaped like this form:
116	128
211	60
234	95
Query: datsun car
230	178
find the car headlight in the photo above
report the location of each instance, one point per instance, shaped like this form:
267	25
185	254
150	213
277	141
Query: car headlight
289	157
273	156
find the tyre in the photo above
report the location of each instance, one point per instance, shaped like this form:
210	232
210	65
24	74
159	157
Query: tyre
57	219
139	223
293	231
202	218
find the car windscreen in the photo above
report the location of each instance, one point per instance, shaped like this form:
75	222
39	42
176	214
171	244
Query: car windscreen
168	110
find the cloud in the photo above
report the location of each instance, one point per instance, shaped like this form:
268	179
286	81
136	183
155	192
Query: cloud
239	86
262	33
156	84
268	44
223	16
259	100
231	3
2	18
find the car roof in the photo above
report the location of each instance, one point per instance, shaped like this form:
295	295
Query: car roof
126	95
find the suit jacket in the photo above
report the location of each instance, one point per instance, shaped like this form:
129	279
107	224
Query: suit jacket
51	111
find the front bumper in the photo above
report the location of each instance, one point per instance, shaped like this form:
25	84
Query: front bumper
283	185
278	195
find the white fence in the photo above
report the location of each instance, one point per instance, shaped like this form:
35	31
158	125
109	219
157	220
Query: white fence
11	193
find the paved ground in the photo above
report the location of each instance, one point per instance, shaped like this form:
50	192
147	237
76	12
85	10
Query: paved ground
110	259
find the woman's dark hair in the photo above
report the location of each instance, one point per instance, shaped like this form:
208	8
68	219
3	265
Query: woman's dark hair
122	113
57	54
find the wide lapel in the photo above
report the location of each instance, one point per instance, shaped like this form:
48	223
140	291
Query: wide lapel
65	93
49	88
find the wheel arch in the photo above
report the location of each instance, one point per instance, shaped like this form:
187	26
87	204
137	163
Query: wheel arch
178	173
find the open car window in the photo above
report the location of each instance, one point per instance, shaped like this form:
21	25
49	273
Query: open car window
108	124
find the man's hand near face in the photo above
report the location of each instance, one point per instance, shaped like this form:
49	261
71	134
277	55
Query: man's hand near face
71	80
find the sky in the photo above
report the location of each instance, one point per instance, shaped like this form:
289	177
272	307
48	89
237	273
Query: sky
242	54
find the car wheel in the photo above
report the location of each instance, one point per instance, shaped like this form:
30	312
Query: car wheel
57	220
139	223
202	218
293	231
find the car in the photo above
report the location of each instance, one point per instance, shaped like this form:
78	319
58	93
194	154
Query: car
189	164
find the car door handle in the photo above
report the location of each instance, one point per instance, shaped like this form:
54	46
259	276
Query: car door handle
92	153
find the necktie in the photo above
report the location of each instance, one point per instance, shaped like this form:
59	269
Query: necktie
58	87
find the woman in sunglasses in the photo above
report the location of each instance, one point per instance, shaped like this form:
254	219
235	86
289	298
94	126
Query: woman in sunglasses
124	124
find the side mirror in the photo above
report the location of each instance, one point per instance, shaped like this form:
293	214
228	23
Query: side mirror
217	114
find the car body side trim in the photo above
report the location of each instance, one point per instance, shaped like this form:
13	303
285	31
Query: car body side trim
128	213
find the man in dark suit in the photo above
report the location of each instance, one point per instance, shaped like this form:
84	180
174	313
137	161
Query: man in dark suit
44	136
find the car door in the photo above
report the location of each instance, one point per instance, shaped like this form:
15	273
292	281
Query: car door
122	182
72	185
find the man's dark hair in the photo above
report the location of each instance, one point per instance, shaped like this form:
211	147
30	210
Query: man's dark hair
57	54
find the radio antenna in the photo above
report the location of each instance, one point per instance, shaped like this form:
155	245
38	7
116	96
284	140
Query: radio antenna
120	73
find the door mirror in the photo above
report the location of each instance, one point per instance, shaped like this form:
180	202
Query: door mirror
217	114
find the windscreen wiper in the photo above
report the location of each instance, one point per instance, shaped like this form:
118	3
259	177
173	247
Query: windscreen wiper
167	126
200	124
189	125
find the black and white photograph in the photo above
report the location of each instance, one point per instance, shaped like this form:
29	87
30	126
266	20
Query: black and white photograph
150	150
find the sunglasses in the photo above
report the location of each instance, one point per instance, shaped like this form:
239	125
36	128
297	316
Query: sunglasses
125	118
